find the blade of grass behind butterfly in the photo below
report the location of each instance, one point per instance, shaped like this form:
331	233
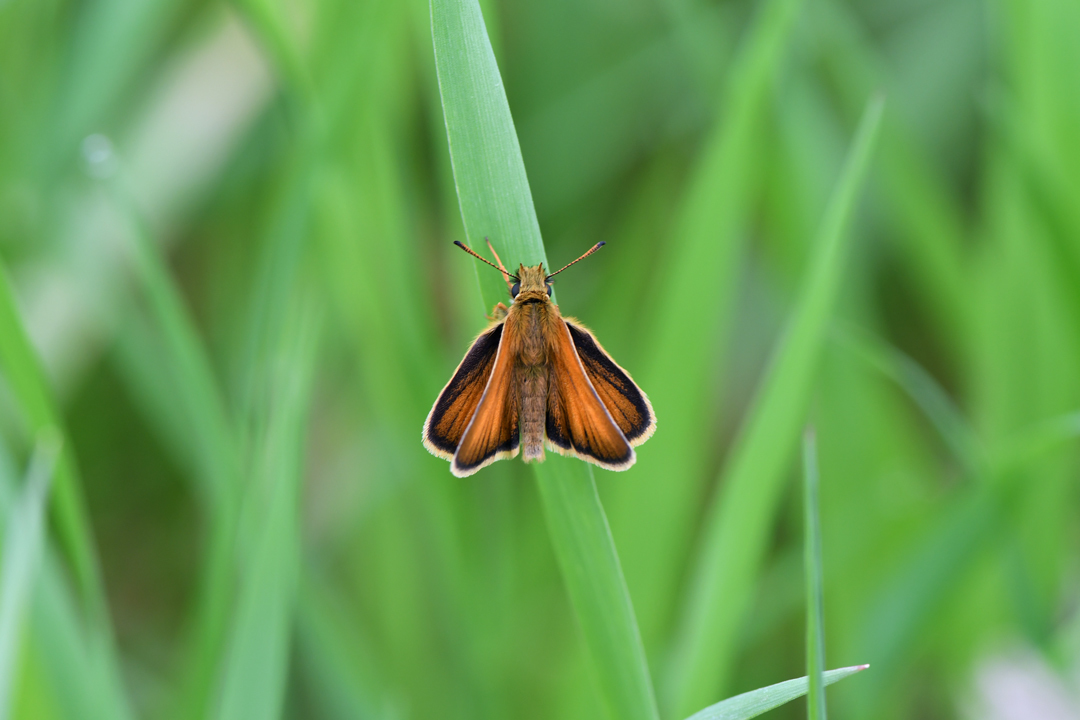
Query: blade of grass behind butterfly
919	202
495	201
338	660
24	538
182	373
28	386
683	359
366	246
255	663
739	519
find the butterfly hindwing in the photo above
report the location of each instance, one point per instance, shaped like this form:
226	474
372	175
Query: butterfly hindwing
578	423
456	405
624	400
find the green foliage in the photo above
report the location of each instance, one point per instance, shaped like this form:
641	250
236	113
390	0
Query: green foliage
228	283
495	201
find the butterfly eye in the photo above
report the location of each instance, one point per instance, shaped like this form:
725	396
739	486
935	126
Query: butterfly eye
549	289
514	289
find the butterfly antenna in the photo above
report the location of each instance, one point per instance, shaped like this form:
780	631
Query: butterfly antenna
588	252
472	252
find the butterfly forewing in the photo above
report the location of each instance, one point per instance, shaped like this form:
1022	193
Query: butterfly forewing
578	423
624	400
456	405
492	432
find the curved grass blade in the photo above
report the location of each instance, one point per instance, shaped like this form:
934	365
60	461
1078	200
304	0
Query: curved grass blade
739	520
754	703
24	539
495	201
926	392
27	384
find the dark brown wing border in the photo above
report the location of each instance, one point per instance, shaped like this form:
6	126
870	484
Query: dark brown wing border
628	405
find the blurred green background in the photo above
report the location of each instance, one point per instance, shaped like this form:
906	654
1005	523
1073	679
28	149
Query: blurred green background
228	277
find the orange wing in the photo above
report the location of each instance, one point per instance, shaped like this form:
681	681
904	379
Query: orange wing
492	433
578	423
456	405
628	405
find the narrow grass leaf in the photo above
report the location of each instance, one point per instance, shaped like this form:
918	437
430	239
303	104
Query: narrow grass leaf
754	703
924	391
739	520
920	204
495	201
815	601
682	346
24	540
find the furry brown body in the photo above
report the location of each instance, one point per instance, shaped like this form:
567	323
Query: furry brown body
536	379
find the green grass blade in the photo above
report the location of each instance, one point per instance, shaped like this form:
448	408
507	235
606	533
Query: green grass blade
495	201
20	368
707	233
739	521
815	601
921	387
23	543
754	703
493	190
593	577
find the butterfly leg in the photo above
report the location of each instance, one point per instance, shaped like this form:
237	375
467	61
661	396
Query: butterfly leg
499	312
506	275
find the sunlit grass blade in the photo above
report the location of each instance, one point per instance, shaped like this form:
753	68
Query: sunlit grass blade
682	348
68	670
24	539
815	600
24	377
27	384
493	190
739	520
754	703
495	201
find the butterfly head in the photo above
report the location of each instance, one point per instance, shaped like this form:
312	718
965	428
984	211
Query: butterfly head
532	284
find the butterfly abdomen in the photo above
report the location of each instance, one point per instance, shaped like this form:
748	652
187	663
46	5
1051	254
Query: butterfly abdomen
533	368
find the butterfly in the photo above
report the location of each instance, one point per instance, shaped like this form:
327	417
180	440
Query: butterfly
534	379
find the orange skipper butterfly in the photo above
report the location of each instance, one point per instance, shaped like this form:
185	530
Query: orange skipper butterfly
534	379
